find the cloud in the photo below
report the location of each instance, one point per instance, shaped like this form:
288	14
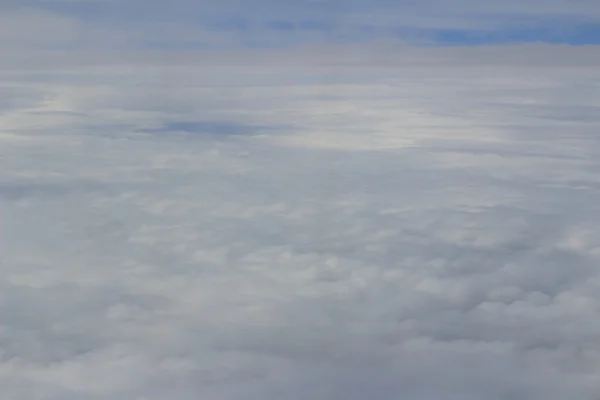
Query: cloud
36	28
415	223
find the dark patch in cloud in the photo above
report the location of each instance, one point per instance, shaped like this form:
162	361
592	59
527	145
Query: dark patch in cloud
213	128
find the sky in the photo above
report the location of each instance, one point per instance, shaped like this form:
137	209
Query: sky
297	200
210	24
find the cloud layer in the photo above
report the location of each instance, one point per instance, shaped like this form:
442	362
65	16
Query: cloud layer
327	223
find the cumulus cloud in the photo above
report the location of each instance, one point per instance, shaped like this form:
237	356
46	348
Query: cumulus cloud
416	224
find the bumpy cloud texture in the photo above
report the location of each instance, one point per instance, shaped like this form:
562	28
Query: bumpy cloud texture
343	225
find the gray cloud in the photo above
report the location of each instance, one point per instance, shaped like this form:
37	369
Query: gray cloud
427	230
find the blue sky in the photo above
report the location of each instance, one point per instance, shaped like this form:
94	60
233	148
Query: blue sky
265	23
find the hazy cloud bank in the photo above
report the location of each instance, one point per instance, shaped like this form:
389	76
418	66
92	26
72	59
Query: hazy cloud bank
412	228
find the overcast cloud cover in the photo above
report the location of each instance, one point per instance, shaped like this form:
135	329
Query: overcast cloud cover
294	200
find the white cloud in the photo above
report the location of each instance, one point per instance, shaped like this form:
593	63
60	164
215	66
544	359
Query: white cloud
412	226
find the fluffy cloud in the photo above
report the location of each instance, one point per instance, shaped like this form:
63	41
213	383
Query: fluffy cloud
377	225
